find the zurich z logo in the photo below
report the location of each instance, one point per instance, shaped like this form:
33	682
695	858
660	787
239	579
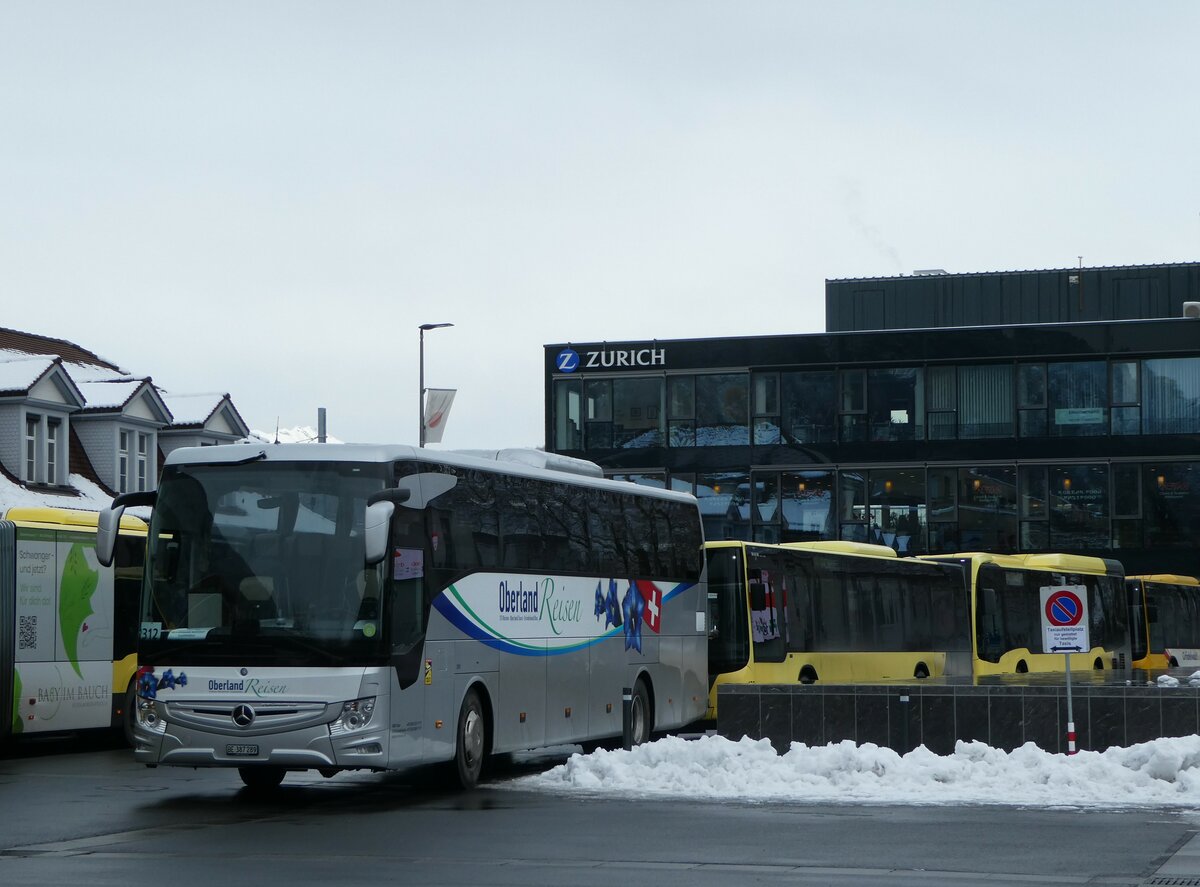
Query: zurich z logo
567	361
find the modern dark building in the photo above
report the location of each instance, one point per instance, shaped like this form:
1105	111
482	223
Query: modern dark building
1018	436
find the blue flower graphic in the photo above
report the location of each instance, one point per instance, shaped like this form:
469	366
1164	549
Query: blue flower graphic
633	606
601	605
613	612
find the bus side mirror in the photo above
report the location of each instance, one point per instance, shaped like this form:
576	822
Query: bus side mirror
758	596
107	525
376	529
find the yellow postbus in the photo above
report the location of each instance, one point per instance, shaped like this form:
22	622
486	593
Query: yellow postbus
1006	610
831	611
68	626
1164	620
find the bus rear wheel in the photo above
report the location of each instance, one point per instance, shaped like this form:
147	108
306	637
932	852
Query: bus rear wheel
261	778
921	672
470	746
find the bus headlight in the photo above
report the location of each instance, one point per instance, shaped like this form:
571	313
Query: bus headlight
355	716
147	716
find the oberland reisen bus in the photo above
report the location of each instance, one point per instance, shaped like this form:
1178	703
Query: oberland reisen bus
334	607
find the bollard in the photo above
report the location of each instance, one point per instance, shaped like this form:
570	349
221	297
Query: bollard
627	718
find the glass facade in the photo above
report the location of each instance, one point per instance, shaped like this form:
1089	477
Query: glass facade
1094	450
989	401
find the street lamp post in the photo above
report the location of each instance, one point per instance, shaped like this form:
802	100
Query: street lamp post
421	406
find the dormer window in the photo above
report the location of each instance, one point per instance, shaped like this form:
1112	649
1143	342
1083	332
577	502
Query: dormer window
33	427
44	457
143	449
123	463
53	438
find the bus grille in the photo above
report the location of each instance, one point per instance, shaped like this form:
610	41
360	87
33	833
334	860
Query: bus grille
269	717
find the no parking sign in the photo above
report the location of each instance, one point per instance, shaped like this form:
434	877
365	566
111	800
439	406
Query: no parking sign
1064	619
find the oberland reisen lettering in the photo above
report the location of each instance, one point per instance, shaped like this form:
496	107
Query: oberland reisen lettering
632	357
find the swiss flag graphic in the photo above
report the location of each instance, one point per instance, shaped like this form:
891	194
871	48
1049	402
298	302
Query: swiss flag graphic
652	595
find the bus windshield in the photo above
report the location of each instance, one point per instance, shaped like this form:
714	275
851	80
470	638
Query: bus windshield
263	563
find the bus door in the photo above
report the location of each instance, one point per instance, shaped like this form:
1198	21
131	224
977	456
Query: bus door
768	614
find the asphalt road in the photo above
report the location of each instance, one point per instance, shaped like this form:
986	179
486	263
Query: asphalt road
95	818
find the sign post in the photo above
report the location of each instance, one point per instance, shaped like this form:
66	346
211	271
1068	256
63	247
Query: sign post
1065	630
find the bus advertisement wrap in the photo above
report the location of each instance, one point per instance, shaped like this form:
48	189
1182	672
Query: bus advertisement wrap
64	650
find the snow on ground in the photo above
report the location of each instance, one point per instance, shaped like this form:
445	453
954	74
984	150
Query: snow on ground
1161	773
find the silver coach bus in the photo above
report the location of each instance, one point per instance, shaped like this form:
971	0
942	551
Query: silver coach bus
334	607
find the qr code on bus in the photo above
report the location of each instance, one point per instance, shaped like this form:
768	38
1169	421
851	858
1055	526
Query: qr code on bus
27	633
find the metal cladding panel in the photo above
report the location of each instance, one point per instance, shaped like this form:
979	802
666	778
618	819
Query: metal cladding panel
8	608
1066	295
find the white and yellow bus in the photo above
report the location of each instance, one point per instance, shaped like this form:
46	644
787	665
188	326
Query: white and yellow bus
1006	610
1164	620
68	626
831	611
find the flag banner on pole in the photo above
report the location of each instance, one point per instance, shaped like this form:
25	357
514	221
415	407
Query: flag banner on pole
437	408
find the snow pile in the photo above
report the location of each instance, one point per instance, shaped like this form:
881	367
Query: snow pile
1164	772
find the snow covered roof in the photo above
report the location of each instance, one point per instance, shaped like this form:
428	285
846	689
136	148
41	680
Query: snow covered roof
109	395
21	373
197	410
33	344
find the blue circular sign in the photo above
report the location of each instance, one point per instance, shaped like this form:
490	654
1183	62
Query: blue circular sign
567	361
1064	609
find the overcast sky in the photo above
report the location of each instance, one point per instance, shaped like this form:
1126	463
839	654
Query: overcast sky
268	198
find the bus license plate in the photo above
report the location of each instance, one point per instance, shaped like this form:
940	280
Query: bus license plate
241	750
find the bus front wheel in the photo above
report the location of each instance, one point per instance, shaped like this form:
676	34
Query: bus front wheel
470	747
261	778
129	714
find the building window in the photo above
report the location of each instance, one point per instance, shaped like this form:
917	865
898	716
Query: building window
852	505
807	506
1078	507
722	410
766	408
1126	505
985	401
1034	510
853	406
598	426
681	411
123	462
942	509
896	404
898	509
53	448
1078	399
143	460
987	508
724	502
638	417
1171	395
942	402
1126	403
33	431
1172	506
809	403
568	425
1031	400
